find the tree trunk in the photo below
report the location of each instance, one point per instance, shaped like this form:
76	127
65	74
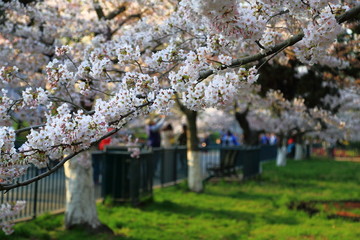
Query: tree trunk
281	156
195	179
251	137
299	148
307	149
80	195
299	151
281	152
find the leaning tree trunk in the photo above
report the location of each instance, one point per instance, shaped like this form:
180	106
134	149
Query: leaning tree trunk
195	179
281	152
251	137
80	195
299	148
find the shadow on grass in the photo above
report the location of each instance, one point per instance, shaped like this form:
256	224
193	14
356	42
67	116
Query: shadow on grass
242	195
168	207
271	218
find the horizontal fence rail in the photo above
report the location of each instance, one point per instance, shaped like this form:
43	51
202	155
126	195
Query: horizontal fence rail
132	180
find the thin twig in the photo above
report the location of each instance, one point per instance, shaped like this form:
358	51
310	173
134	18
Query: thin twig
140	68
107	74
107	94
278	14
71	61
259	44
57	99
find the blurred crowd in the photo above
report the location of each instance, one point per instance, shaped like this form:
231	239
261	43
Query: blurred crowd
160	132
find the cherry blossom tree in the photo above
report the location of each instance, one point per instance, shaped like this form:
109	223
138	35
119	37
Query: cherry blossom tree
201	54
287	118
347	106
35	32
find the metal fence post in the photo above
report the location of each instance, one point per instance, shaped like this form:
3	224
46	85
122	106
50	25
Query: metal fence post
35	194
134	169
175	166
162	166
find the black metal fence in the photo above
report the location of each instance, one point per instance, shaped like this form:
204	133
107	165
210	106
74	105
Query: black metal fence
267	152
123	178
170	165
129	179
45	195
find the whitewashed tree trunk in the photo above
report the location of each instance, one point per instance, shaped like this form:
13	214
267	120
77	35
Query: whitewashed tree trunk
281	156
299	151
195	179
80	193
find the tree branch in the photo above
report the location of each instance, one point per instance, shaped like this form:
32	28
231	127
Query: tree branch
116	12
98	9
128	18
180	105
7	187
29	128
352	13
278	14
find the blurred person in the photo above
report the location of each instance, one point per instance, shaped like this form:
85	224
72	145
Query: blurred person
183	136
105	141
264	139
272	139
154	141
291	147
153	131
167	136
229	139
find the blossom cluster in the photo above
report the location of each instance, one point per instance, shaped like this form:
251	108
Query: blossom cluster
318	37
33	98
8	210
60	51
63	134
5	104
230	18
59	74
7	74
133	148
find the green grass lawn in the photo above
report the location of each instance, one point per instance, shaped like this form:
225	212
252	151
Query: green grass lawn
251	210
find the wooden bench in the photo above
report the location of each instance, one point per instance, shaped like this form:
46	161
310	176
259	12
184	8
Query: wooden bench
227	166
